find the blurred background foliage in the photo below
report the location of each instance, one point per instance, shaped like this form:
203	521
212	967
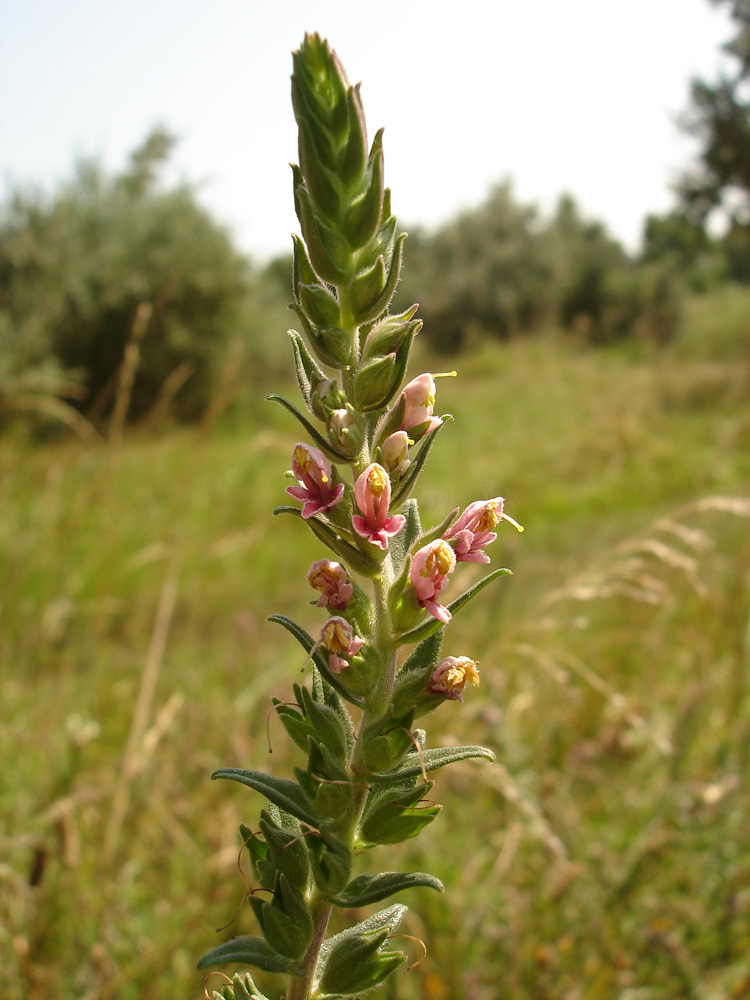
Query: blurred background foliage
604	392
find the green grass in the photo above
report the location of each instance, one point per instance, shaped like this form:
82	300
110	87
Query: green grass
606	858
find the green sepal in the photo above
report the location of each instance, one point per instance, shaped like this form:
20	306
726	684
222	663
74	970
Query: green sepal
286	794
250	951
305	103
337	344
366	289
367	889
241	987
354	157
409	481
324	694
307	643
354	557
293	722
284	920
321	182
382	244
302	269
393	815
363	216
422	631
329	252
389	333
326	782
318	439
373	383
437	532
355	953
404	540
430	760
319	305
286	851
257	848
308	373
331	861
327	725
377	754
416	672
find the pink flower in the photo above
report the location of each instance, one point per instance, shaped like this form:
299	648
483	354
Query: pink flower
338	637
430	569
473	529
316	489
451	675
372	492
395	453
331	579
420	400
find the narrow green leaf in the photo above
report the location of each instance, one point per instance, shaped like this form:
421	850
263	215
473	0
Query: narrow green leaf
320	441
286	794
429	627
352	557
307	643
250	951
369	889
430	760
389	918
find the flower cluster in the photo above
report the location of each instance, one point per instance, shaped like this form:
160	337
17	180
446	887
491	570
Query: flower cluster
384	585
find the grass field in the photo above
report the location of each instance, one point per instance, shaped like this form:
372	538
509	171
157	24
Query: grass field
606	856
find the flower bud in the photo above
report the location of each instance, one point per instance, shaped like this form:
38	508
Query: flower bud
346	431
394	453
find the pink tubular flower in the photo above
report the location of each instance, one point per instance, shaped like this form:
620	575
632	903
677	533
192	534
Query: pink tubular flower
312	470
450	676
430	569
473	529
338	637
372	492
331	579
420	399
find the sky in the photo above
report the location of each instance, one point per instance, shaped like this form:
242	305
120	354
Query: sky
577	96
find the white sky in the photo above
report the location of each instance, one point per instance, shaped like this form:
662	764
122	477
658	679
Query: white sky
559	95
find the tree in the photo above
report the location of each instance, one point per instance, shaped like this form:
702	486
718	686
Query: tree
720	119
108	259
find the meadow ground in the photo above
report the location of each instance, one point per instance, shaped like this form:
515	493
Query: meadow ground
606	856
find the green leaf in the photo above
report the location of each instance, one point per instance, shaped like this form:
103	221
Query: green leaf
308	373
250	951
307	643
429	627
352	557
286	794
431	760
320	441
369	889
364	214
388	919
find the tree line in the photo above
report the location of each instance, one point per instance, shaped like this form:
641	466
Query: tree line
126	296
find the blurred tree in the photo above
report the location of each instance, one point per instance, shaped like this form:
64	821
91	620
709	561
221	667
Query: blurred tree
485	270
720	119
76	267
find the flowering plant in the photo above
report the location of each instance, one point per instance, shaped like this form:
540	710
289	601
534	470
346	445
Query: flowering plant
377	663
